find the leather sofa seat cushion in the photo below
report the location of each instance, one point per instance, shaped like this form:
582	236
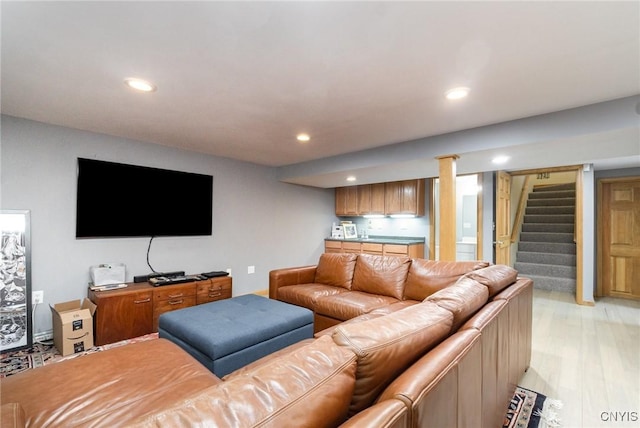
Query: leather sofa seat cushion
267	359
495	277
425	277
107	388
307	295
387	345
462	299
397	306
350	304
376	313
310	386
383	275
336	269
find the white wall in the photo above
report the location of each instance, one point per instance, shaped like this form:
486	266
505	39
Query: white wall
258	220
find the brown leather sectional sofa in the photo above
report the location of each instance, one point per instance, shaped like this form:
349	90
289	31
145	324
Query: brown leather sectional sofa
400	343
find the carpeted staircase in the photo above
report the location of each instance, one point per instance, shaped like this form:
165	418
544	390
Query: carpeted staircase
546	251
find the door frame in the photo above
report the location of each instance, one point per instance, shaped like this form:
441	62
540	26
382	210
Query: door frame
578	230
502	241
431	209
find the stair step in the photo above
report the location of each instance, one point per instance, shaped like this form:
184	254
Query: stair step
544	218
550	210
549	237
551	201
548	227
546	258
554	187
545	247
556	284
553	194
554	271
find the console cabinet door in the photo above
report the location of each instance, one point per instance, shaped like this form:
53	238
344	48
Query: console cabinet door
172	297
122	316
213	289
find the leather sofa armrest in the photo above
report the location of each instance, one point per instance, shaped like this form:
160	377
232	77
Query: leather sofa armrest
390	413
290	276
12	416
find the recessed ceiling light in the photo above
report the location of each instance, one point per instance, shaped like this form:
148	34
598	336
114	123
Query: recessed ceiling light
500	159
303	137
457	93
351	178
140	85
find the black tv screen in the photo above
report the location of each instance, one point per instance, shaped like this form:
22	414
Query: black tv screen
119	200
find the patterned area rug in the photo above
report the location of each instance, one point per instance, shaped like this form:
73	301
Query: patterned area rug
529	409
42	354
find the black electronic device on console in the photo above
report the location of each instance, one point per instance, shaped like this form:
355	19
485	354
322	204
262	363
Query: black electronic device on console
146	278
170	280
214	274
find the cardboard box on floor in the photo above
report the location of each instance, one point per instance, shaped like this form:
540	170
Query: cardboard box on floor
73	326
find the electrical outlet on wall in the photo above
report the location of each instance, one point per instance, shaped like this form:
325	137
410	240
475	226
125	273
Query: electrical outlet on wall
251	269
37	297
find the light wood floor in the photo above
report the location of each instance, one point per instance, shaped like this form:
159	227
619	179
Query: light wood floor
587	357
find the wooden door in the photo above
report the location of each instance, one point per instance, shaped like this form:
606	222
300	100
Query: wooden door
503	218
619	230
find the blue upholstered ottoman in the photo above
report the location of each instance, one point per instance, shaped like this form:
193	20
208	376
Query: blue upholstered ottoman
228	334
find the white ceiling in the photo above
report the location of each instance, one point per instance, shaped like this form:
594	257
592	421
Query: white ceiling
241	79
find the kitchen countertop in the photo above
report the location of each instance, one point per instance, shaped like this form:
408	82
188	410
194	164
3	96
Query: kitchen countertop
400	240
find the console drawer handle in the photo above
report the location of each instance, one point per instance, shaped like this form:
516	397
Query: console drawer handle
215	289
173	296
142	301
176	302
215	294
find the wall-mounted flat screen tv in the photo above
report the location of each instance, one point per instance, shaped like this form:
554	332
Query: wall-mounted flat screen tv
120	200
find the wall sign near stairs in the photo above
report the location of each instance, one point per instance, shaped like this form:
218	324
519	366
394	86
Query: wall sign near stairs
547	250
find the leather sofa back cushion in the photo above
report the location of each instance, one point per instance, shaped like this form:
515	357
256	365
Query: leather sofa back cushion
309	386
384	275
495	278
387	345
428	276
336	269
462	299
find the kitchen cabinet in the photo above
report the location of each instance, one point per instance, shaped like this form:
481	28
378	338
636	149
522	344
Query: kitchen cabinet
413	250
405	197
371	199
332	246
398	197
347	201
